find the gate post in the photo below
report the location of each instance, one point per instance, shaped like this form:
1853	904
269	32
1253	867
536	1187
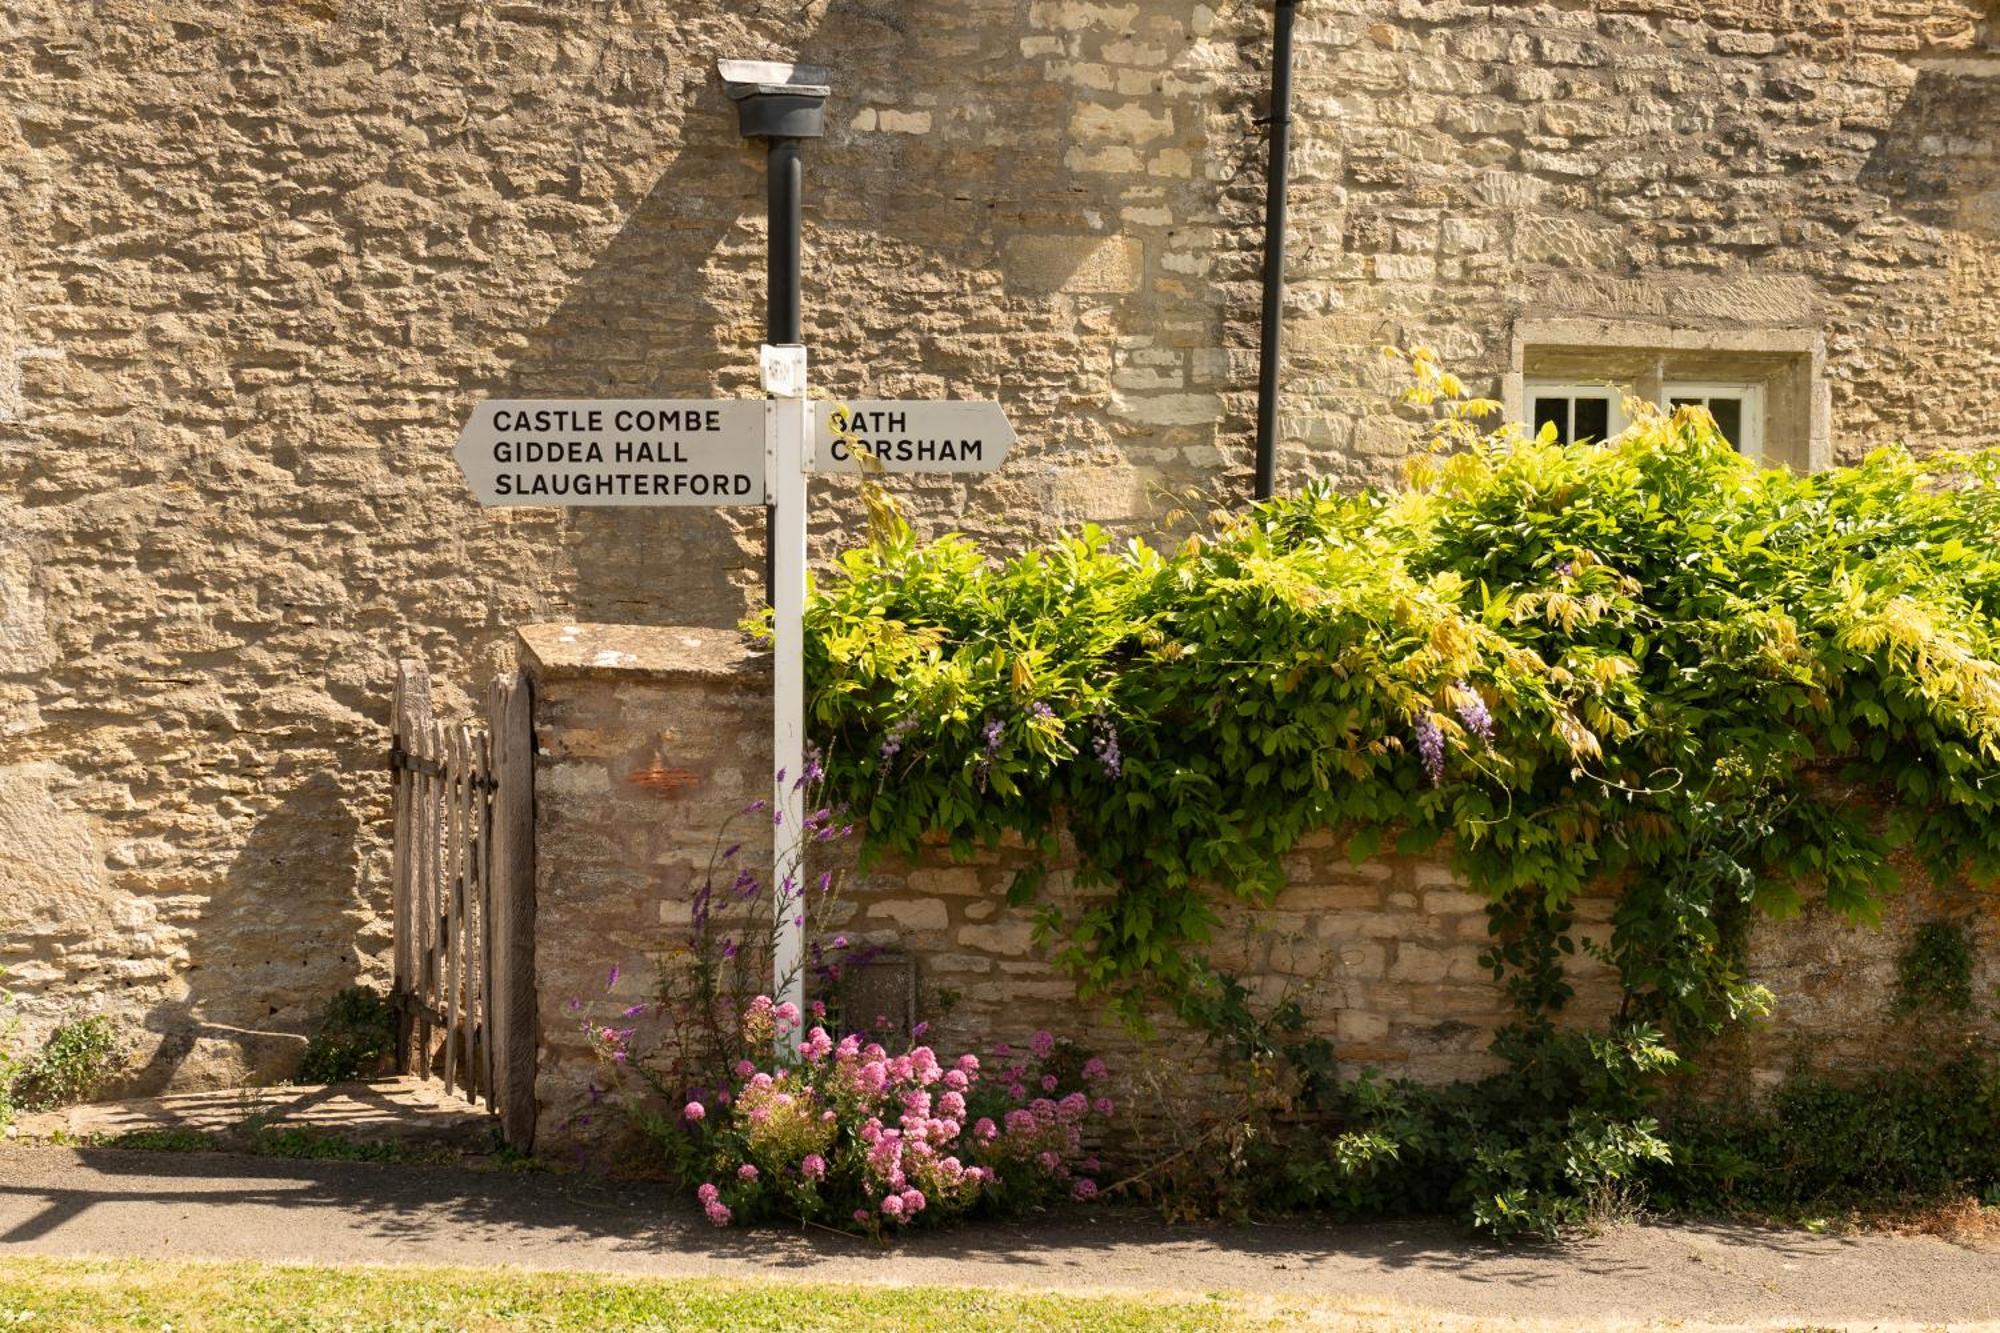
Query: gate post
510	934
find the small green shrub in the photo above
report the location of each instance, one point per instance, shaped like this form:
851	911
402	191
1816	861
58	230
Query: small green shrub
10	1063
72	1064
356	1036
1935	971
1926	1130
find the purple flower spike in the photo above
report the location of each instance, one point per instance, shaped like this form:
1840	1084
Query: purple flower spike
1105	743
995	733
1477	719
611	980
1430	747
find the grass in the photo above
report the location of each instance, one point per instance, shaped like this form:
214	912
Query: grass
45	1294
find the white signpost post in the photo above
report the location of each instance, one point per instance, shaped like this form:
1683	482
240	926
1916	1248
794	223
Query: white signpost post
716	452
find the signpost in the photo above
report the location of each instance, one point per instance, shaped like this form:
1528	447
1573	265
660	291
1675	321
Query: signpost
592	452
620	451
911	437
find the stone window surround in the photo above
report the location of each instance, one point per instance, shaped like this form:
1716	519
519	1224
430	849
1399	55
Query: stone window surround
1789	363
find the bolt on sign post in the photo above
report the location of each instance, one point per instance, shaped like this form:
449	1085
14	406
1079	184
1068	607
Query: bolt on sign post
606	452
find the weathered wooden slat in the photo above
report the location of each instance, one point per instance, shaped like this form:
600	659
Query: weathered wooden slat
433	897
511	929
453	921
413	689
461	917
481	953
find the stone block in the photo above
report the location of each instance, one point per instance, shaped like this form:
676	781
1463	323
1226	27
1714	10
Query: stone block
1076	263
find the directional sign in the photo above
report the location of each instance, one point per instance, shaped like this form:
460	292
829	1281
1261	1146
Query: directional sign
615	451
911	436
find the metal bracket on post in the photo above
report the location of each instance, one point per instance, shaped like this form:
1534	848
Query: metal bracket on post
776	100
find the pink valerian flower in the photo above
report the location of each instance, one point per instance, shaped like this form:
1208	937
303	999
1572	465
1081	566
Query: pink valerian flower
1093	1069
708	1193
747	1171
718	1213
1104	1106
1043	1043
693	1111
1073	1107
1084	1188
892	1205
1048	1083
813	1167
956	1080
985	1128
953	1104
744	1069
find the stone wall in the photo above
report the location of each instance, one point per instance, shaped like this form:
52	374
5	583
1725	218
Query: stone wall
1384	953
257	261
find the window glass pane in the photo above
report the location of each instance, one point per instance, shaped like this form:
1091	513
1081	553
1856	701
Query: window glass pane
1728	417
1593	418
1685	402
1556	411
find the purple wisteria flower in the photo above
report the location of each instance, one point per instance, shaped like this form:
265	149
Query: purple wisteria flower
1430	747
1041	710
1474	714
995	733
1105	743
892	744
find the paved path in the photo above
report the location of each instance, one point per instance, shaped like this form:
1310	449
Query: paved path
67	1201
405	1110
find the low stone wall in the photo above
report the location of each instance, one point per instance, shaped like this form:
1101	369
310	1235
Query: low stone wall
652	741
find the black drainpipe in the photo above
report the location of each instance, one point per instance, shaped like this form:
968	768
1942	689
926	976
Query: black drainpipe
1276	177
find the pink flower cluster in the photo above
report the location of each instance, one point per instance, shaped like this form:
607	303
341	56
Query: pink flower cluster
849	1132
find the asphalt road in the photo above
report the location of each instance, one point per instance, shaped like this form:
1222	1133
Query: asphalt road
102	1202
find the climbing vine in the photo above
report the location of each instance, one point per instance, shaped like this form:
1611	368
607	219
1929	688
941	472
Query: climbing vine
1646	664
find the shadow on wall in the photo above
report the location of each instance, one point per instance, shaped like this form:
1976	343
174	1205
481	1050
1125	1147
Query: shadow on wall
899	228
1939	161
270	946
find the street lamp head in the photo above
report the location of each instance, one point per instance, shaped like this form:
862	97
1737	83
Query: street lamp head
775	100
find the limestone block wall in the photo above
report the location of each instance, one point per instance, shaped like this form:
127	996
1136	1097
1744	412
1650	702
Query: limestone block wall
257	262
1384	953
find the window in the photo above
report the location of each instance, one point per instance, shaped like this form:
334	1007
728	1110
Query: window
1578	411
1738	410
1597	412
1765	386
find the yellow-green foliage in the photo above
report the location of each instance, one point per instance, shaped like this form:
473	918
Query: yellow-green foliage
1646	656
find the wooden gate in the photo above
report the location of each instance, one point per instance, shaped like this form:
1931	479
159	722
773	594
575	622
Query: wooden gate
464	880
